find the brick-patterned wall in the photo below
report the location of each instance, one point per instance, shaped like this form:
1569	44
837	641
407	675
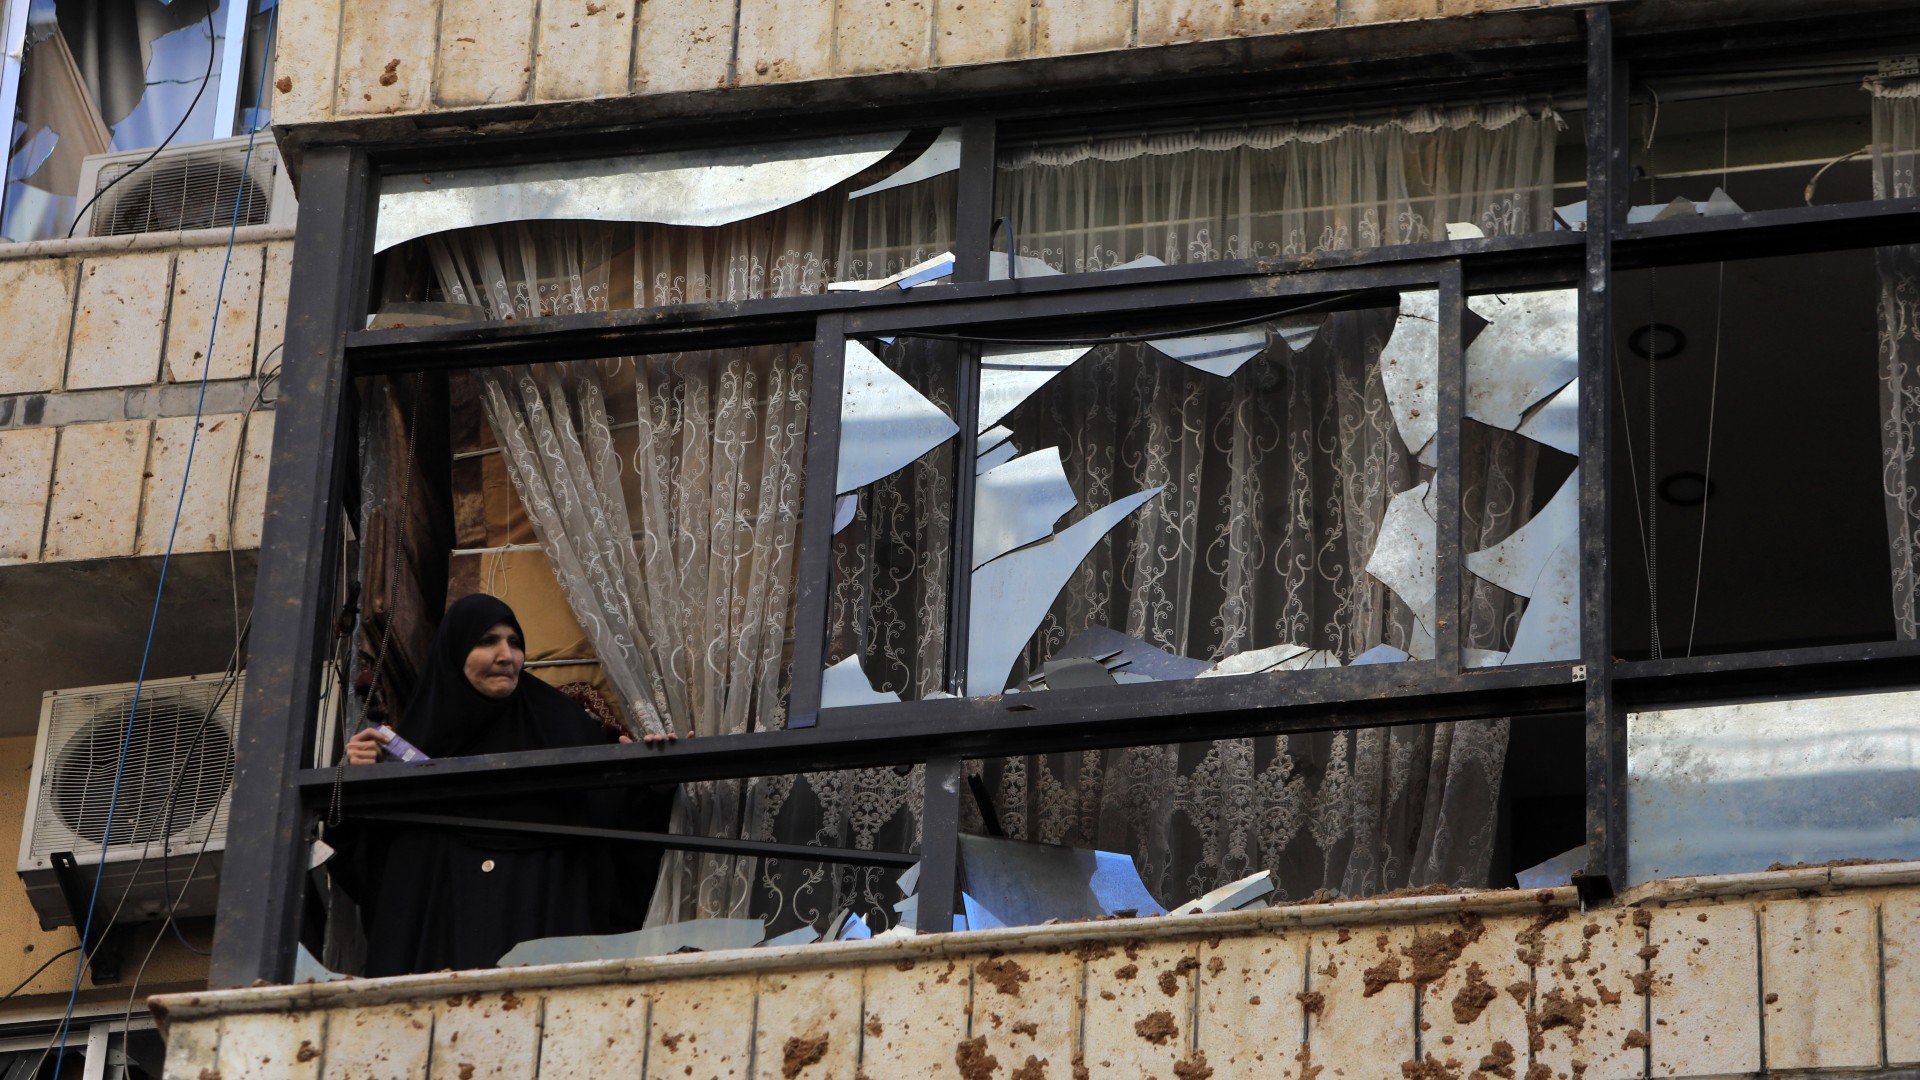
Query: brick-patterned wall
1798	970
102	347
338	60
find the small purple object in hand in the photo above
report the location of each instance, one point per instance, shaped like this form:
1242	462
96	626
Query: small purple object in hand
397	747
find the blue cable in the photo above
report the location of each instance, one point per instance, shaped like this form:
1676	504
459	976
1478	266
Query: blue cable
153	621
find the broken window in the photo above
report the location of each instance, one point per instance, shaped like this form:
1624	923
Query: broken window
674	228
99	77
1250	190
1173	505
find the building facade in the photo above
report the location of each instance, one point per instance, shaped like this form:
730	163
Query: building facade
1572	729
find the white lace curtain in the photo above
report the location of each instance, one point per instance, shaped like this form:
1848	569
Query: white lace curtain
1280	189
1896	154
1355	811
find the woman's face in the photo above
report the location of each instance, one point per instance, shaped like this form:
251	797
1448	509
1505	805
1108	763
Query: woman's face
493	667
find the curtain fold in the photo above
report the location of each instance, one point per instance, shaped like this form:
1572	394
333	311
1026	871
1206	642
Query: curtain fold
1896	150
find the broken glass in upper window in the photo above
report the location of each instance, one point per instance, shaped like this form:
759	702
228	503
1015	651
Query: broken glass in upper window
98	77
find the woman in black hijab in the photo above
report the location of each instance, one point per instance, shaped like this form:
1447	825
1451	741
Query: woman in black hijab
434	898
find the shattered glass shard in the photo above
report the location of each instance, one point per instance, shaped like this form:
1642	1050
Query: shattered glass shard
1403	557
1215	354
1017	503
846	683
1516	563
1256	660
1410	368
885	424
1298	330
1556	421
1550	627
1012	594
943	156
844	508
1529	349
1010	375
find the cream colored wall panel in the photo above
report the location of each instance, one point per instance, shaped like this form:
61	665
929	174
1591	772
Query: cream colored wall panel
684	45
1282	16
285	1046
1360	1013
203	517
1900	952
196	281
594	1031
883	35
1379	11
1584	998
95	507
1706	990
1470	1013
486	52
193	1049
702	1030
386	58
585	49
784	40
1164	22
252	501
807	1025
981	31
26	474
1027	1007
380	1042
1821	988
486	1037
36	311
1077	26
1250	1017
273	303
120	322
914	1018
303	61
1139	1012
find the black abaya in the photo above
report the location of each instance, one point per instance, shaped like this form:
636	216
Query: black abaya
434	899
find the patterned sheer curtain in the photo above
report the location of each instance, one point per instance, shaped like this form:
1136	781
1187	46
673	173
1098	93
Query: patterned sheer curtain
665	492
1896	162
1279	482
1249	191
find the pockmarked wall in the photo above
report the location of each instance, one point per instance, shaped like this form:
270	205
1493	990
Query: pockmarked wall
1814	970
102	347
339	60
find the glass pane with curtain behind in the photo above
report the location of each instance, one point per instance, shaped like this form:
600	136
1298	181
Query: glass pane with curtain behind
844	233
1201	194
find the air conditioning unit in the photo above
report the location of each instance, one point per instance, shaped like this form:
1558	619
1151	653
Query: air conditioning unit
191	186
172	807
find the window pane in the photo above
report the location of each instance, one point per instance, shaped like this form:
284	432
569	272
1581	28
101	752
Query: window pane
1183	195
1762	454
99	77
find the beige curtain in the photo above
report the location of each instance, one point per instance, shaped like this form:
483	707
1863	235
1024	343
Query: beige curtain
1896	160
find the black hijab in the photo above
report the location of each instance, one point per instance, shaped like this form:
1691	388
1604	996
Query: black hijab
449	717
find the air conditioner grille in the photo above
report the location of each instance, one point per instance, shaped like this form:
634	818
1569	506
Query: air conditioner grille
190	189
174	740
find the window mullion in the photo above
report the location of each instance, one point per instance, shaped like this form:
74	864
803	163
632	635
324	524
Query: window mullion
973	216
1448	613
814	576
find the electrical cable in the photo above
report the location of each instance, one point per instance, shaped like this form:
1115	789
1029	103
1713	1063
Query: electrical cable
36	972
166	560
1128	339
213	50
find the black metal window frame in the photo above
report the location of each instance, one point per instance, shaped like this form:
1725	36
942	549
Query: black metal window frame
279	790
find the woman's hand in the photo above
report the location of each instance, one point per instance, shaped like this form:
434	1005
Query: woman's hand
364	748
651	739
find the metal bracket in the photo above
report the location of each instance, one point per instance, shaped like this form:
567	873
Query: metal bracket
1579	673
102	943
